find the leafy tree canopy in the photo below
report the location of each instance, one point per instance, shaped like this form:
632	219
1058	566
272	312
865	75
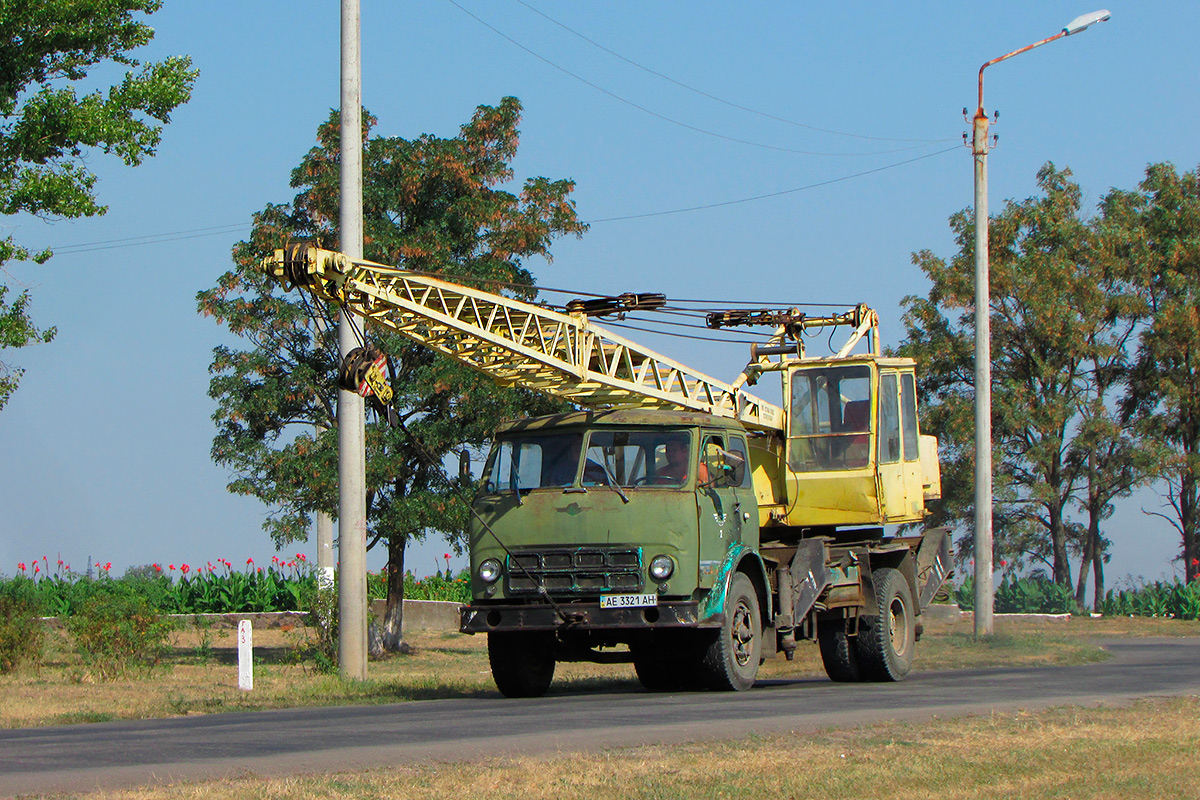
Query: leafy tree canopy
1061	316
48	128
431	204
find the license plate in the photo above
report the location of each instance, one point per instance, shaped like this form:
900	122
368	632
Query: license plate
628	600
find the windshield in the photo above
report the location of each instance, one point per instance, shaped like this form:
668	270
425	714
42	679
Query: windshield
632	459
533	461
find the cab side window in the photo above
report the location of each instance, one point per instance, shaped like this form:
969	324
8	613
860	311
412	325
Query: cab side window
889	419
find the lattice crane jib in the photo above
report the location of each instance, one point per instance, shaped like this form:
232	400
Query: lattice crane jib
515	342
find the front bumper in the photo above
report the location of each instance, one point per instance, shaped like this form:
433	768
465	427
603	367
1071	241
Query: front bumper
486	617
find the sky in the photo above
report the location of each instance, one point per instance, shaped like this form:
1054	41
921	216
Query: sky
774	153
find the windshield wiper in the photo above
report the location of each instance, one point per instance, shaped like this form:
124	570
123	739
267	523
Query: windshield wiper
612	481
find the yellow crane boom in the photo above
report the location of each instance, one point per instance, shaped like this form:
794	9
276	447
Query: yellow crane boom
516	342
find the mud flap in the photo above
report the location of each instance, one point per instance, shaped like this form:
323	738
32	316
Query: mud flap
810	577
933	563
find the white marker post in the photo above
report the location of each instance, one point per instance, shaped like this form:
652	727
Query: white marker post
245	655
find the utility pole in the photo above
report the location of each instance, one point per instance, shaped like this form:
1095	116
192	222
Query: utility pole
983	380
352	464
984	595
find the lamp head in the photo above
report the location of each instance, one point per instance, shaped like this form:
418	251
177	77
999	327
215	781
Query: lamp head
1086	21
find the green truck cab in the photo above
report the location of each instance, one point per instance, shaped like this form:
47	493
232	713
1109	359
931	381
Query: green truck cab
695	548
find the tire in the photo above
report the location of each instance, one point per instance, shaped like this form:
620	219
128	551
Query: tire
839	653
669	662
657	667
522	663
887	639
731	660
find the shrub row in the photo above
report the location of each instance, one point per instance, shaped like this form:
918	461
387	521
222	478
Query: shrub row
1034	595
1040	595
210	592
1159	599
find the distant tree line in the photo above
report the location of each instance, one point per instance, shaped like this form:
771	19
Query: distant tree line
1095	323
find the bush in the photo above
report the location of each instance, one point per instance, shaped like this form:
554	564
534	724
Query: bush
1034	595
1159	599
322	625
21	632
439	586
119	634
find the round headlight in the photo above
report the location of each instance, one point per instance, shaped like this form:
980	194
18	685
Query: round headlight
661	567
489	571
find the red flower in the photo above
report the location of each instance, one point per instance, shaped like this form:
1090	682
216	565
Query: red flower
21	566
108	566
170	566
446	556
301	557
1004	563
184	568
157	568
249	560
36	568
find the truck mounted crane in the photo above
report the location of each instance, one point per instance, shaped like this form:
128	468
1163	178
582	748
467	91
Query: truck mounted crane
675	520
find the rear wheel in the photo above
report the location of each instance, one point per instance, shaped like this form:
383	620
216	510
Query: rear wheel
522	662
839	653
887	640
731	659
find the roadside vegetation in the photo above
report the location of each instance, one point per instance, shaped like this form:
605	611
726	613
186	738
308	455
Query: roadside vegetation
220	588
1040	595
197	672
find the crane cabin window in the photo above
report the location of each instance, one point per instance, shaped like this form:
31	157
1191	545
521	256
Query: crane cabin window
533	461
830	419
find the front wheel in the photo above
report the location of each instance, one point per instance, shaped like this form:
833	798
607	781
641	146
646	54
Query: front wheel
887	640
731	659
522	662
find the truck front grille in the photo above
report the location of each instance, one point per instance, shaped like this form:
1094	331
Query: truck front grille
577	571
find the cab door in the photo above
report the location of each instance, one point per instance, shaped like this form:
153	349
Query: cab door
718	505
893	500
899	453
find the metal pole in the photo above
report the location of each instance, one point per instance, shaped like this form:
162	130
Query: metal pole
983	382
352	466
984	594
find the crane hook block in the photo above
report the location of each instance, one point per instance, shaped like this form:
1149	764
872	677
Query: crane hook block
364	370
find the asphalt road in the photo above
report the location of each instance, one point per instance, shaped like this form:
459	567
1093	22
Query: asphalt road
127	754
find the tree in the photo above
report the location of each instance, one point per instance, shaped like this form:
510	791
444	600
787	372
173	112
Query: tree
1058	332
429	204
1156	230
48	130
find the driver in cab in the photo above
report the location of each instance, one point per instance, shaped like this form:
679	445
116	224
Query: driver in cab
675	471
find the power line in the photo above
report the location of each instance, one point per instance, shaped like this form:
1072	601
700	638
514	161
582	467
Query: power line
770	194
150	238
135	241
663	117
714	97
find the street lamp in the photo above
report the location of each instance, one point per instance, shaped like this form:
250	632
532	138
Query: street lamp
983	356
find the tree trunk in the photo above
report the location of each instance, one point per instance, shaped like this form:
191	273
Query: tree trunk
1089	553
1058	540
393	616
1189	518
1098	574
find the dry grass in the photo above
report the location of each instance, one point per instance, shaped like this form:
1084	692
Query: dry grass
454	665
1146	750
